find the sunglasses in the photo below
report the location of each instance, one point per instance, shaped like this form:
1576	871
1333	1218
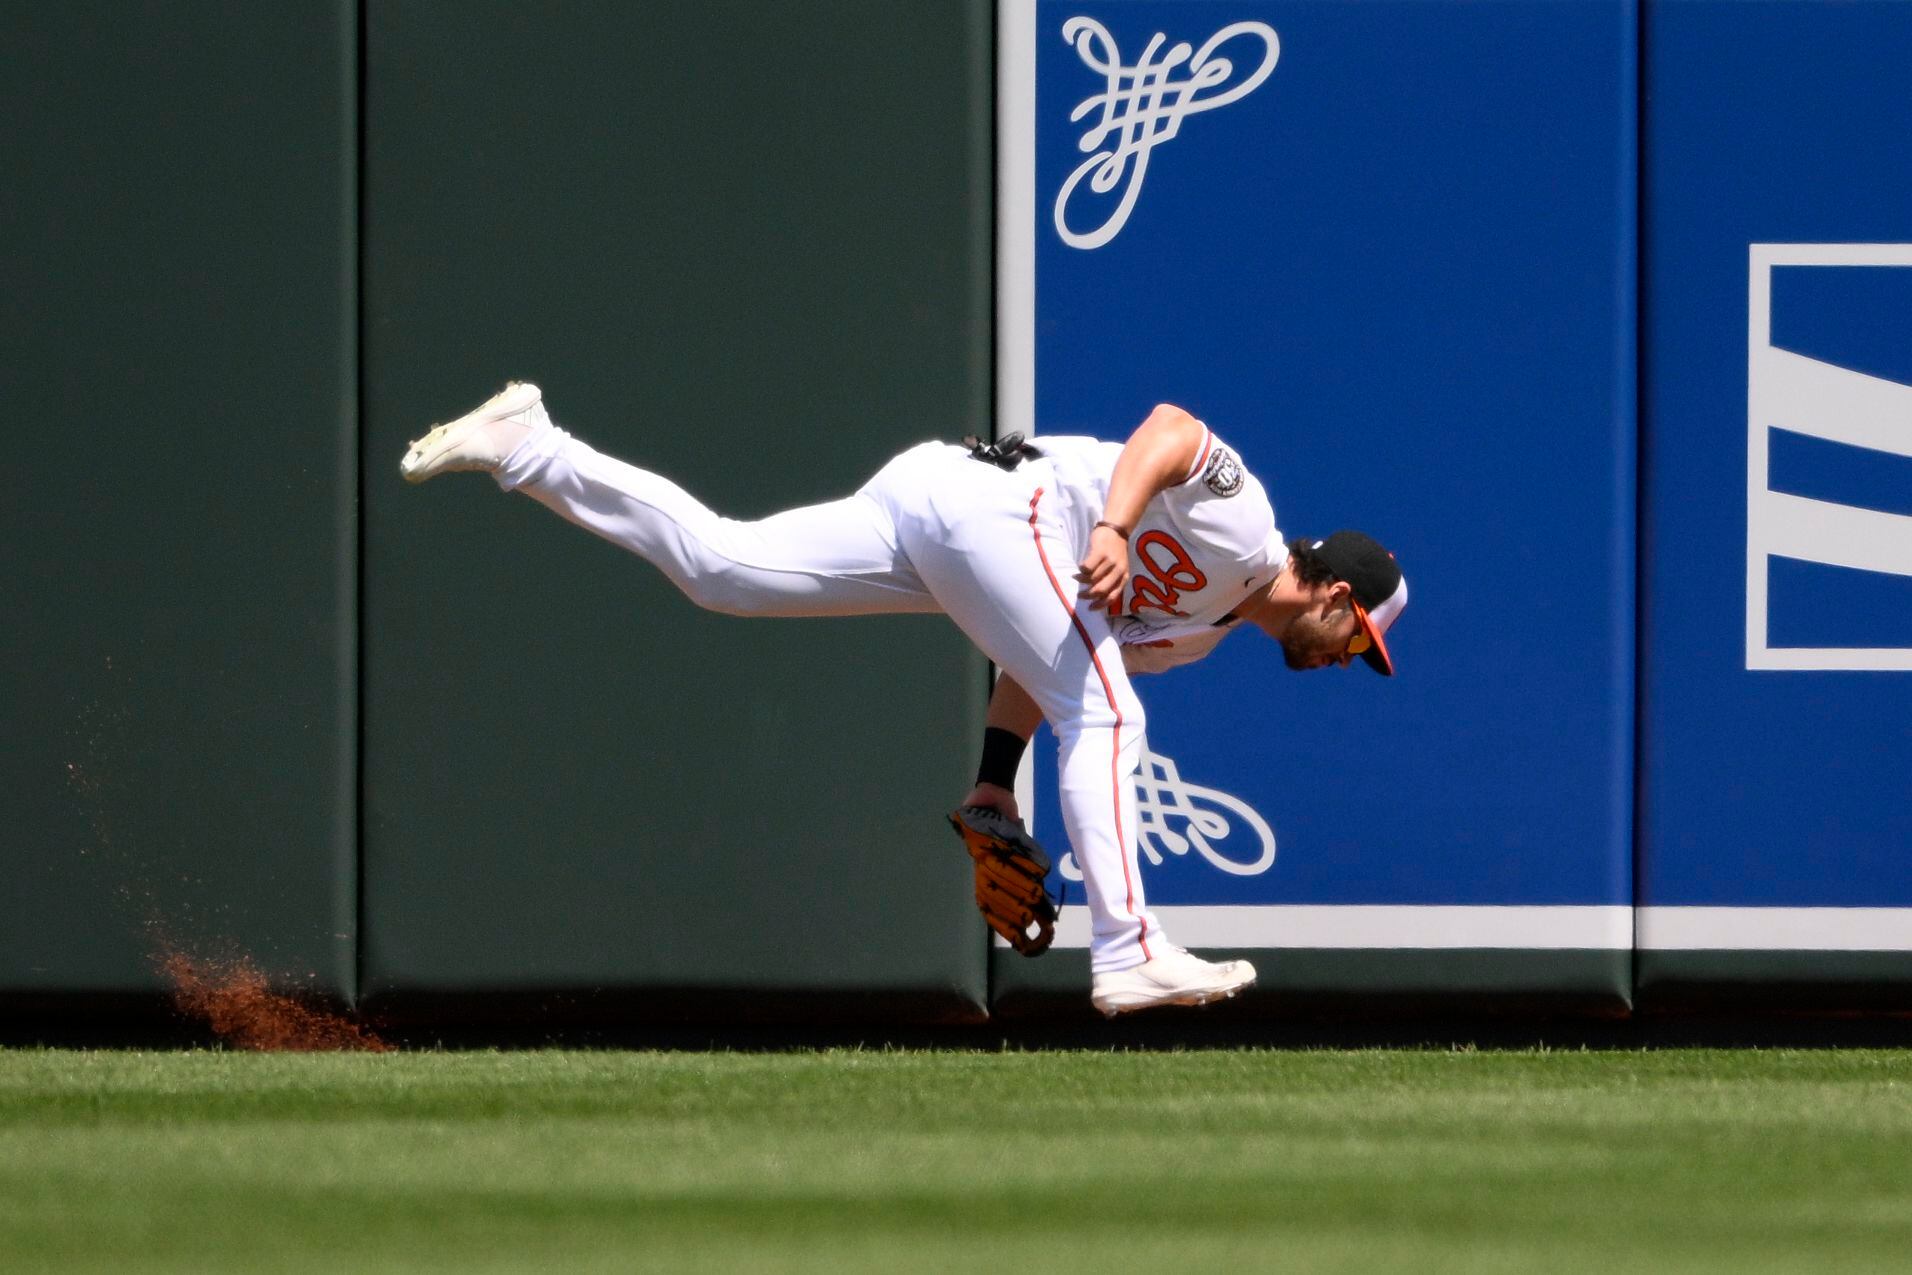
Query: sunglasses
1360	642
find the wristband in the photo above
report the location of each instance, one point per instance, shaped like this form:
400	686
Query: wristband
1002	754
1117	528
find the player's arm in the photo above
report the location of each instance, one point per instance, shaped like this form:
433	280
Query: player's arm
1158	455
1011	721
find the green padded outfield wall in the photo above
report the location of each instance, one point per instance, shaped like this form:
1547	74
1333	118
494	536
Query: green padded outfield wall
179	540
746	245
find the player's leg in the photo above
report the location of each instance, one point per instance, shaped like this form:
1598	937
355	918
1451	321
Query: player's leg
1001	570
1001	562
838	558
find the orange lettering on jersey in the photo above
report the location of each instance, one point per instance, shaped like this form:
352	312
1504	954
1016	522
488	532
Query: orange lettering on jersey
1170	570
1153	597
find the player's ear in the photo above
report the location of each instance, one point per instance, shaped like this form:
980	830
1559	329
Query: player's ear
1337	593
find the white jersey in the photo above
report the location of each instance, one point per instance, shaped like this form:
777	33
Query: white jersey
995	550
1201	548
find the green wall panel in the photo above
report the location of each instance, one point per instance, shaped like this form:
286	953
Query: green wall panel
748	246
1692	981
178	543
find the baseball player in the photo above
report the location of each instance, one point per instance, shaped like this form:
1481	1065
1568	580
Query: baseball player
1071	562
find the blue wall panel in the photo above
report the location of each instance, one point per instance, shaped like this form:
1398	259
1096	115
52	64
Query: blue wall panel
1769	776
1398	276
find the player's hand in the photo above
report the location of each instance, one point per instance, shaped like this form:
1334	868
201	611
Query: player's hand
993	797
1104	572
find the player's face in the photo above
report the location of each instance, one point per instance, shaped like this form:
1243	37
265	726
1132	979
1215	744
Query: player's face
1323	636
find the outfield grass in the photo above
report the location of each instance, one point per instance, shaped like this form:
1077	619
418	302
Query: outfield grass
853	1161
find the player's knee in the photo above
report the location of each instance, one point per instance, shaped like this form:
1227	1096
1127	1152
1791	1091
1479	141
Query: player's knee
733	593
1125	719
715	593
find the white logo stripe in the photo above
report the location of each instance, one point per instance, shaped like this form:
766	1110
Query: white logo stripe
1391	927
1819	400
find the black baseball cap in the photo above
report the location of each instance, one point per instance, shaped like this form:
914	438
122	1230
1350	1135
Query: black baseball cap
1380	590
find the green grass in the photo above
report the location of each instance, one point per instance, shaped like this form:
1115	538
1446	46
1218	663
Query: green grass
854	1161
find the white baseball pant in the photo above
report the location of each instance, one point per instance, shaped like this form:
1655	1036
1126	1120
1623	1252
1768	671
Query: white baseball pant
932	531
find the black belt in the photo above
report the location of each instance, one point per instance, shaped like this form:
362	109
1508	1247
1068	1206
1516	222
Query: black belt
1005	453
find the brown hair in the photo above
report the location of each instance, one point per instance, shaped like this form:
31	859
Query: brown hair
1307	565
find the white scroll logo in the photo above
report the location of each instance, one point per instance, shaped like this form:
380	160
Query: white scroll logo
1206	816
1143	107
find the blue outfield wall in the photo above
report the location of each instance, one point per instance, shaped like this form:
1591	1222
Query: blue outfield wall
1395	269
1775	829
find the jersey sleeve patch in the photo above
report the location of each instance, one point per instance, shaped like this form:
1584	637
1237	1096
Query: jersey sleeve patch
1223	473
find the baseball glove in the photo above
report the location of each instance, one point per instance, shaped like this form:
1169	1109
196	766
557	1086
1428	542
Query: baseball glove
1010	868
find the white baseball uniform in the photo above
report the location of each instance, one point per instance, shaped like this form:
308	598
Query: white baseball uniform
996	551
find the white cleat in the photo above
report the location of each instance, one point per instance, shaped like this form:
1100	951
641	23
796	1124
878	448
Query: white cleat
480	439
1173	978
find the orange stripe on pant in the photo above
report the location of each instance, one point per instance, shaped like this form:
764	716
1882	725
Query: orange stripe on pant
1115	742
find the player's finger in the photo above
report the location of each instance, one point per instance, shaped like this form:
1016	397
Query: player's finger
1104	593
